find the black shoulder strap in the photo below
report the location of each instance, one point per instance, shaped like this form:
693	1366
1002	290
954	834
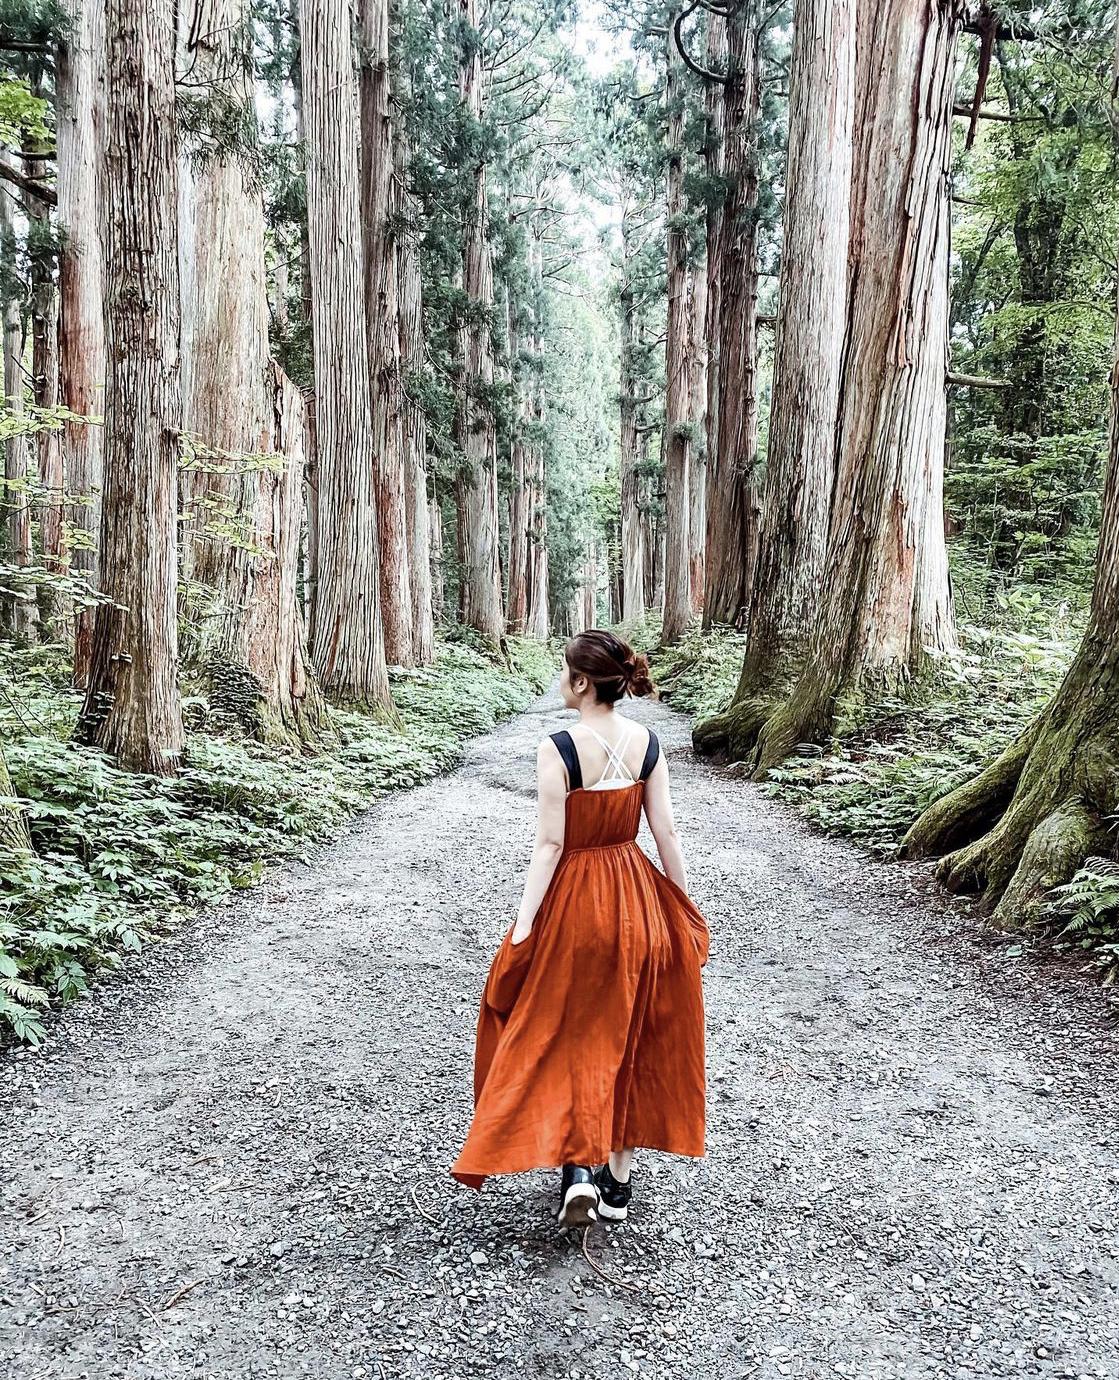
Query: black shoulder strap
652	753
566	746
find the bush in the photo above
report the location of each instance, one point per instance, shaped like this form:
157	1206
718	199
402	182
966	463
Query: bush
117	856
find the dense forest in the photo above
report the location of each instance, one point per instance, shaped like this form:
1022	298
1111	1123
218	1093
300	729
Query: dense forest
354	352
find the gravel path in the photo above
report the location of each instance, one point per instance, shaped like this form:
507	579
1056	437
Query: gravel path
232	1163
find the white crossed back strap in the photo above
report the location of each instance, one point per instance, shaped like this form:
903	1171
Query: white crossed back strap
615	773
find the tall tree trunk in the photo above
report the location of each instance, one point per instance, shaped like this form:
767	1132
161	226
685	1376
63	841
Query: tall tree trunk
306	313
714	151
677	366
633	542
733	501
131	706
79	95
590	586
1032	817
414	439
891	409
539	624
697	450
18	612
476	433
380	208
516	603
812	319
348	643
247	632
44	385
539	617
435	526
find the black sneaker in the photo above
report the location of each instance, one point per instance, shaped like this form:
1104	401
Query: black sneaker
614	1197
578	1197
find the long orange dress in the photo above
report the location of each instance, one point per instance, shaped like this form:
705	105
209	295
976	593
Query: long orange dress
590	1036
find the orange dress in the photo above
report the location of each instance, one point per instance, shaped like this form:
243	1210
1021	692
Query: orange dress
590	1036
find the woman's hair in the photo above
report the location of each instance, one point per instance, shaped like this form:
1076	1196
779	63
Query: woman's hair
611	665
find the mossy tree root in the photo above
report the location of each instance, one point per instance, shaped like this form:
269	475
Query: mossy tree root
1027	822
970	810
733	734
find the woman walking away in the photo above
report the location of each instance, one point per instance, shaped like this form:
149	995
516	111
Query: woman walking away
590	1037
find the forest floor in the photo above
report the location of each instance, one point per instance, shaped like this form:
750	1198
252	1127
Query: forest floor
232	1161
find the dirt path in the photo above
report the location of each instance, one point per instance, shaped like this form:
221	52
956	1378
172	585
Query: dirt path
232	1164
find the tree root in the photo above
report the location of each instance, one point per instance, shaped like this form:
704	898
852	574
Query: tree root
971	809
733	734
1025	824
1054	850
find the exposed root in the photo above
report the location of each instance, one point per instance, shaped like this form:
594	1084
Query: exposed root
970	810
1052	854
733	734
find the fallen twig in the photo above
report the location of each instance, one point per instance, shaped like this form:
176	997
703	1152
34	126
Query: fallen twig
182	1293
421	1210
606	1275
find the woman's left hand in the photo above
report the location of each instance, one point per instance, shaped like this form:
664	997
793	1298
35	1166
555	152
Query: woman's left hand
520	933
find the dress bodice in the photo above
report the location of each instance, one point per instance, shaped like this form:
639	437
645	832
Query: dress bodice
602	818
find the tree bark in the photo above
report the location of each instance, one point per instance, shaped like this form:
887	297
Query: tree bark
79	96
715	159
633	527
19	613
516	600
677	366
476	486
45	391
380	208
414	439
539	624
1030	818
590	587
812	319
131	706
348	643
891	408
243	488
435	527
733	499
697	451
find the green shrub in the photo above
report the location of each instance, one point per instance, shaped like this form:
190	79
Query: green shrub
116	856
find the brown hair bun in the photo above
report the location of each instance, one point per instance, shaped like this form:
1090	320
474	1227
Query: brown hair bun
611	665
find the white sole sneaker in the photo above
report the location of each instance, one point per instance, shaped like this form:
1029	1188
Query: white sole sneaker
580	1206
612	1214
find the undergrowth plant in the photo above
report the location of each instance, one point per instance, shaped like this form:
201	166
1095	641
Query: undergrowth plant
116	857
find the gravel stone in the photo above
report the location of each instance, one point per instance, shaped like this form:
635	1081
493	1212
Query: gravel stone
231	1162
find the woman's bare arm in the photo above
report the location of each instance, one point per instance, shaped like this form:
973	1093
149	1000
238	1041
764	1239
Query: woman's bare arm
658	811
551	793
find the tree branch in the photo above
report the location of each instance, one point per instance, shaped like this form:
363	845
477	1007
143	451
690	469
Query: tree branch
39	190
689	61
974	381
969	112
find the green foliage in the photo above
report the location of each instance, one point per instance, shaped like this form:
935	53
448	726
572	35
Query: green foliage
22	114
117	857
699	673
1087	912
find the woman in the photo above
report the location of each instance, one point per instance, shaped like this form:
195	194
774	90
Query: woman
590	1037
